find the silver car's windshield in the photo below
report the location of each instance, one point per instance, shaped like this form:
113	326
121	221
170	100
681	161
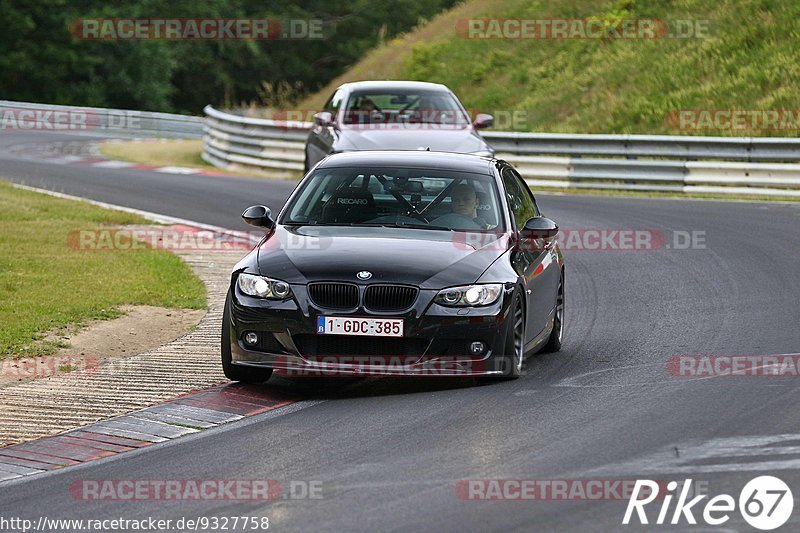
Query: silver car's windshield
404	106
397	197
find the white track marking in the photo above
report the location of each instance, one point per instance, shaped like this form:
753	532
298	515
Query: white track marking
177	170
155	217
113	164
726	454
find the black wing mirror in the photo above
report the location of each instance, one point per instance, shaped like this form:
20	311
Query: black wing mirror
259	216
540	228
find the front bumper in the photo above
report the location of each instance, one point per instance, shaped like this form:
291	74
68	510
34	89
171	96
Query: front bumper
435	343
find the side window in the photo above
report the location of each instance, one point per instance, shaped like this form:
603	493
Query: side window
334	103
519	200
527	195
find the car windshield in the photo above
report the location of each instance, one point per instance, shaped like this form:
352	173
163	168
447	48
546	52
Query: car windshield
403	106
397	197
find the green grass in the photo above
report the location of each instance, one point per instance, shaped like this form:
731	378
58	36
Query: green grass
663	194
178	152
46	285
169	152
751	61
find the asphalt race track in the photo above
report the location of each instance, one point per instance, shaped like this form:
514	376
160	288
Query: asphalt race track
389	453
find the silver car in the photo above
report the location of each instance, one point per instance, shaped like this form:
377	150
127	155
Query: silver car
395	115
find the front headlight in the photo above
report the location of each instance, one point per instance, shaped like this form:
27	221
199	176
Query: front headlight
469	295
261	287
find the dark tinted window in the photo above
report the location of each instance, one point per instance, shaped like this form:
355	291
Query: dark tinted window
527	193
519	198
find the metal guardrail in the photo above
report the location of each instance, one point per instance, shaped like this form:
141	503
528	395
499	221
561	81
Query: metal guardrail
89	120
719	165
273	147
649	146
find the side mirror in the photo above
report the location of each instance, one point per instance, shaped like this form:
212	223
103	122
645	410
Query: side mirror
540	228
259	216
323	118
483	121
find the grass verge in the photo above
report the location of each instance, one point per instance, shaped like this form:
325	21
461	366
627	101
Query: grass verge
661	194
744	56
166	153
172	152
46	285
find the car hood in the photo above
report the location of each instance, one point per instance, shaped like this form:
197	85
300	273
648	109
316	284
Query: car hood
389	137
425	258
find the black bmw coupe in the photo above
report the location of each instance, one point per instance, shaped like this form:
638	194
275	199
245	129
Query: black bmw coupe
397	263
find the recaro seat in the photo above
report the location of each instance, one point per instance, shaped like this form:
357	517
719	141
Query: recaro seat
485	208
348	206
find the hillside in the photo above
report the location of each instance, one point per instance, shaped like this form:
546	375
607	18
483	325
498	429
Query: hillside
747	59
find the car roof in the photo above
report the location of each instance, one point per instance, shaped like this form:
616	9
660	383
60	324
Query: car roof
411	159
393	84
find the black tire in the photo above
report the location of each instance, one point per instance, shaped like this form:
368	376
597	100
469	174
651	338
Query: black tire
513	356
554	341
233	372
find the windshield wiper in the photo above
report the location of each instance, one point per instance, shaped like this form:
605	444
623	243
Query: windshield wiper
417	226
321	224
370	225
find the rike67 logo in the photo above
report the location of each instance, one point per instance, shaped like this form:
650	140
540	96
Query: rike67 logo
765	503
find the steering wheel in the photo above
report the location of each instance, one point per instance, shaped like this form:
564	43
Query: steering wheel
412	102
456	221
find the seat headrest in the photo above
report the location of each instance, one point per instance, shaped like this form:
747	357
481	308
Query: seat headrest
485	208
349	205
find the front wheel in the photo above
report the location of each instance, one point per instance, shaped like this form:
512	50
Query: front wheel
233	372
513	356
554	341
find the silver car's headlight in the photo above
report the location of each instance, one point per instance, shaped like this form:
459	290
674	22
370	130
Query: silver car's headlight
261	287
469	295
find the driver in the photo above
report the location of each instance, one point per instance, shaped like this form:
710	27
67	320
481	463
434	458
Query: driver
364	109
365	103
464	201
